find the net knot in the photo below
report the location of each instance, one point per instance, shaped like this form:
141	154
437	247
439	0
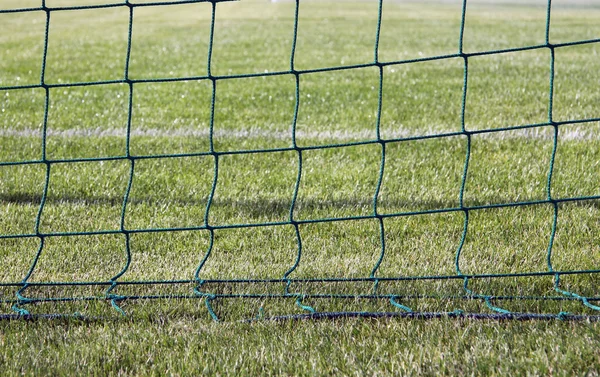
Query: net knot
457	313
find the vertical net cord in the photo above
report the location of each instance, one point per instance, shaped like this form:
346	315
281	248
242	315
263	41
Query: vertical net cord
114	299
298	150
487	299
21	300
468	147
550	199
382	143
210	297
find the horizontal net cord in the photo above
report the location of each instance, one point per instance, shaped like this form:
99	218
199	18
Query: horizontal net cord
306	280
126	3
291	296
299	72
296	148
294	222
341	315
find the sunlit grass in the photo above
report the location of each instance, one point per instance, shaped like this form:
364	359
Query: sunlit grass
419	186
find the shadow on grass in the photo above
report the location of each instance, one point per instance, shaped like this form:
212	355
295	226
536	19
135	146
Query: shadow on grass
257	207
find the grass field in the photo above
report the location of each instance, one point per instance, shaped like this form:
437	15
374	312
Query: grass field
171	140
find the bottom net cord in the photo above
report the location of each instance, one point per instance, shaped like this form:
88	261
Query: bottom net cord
338	315
281	299
433	315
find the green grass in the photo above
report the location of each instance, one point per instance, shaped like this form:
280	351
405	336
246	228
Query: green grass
177	336
351	347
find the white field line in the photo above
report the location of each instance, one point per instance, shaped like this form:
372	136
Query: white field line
571	133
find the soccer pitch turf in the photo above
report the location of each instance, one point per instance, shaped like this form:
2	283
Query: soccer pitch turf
256	113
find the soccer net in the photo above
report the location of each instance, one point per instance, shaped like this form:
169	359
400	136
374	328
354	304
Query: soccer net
172	173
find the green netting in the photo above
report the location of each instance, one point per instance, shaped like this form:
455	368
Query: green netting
420	295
